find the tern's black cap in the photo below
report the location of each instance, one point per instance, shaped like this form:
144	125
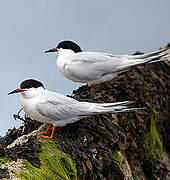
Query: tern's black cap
69	45
31	83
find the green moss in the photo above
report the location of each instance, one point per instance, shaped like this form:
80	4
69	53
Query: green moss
135	175
154	142
4	159
54	165
116	158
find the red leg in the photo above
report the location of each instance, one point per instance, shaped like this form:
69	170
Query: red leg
45	132
50	137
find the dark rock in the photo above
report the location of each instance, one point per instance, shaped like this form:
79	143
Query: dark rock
91	141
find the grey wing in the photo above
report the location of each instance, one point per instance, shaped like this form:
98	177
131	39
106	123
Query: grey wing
53	111
59	115
58	107
91	65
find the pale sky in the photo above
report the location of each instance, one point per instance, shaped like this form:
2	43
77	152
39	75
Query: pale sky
30	27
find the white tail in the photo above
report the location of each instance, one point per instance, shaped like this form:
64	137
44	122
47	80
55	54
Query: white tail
99	108
136	60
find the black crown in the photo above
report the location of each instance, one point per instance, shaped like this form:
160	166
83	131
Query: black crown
69	45
31	83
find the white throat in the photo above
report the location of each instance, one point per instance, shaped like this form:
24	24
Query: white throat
64	58
65	52
32	92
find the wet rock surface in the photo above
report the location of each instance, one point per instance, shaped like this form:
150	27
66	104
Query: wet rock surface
92	142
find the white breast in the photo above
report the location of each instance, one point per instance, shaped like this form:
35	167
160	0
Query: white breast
29	105
65	58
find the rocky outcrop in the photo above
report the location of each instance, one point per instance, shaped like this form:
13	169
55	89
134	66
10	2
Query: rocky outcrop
134	145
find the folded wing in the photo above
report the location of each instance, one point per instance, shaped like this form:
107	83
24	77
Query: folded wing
61	108
88	66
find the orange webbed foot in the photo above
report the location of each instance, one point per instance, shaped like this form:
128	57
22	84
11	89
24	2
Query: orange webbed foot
47	137
47	131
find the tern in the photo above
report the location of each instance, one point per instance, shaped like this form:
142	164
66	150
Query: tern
95	67
59	110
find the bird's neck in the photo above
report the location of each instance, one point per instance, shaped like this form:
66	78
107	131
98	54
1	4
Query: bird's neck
29	94
66	53
64	58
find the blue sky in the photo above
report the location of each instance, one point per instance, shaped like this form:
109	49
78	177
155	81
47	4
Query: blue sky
30	27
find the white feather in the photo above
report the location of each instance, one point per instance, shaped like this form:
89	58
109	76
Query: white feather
50	107
94	67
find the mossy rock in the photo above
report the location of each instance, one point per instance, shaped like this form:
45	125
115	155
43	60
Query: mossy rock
154	143
94	143
5	159
117	159
54	164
